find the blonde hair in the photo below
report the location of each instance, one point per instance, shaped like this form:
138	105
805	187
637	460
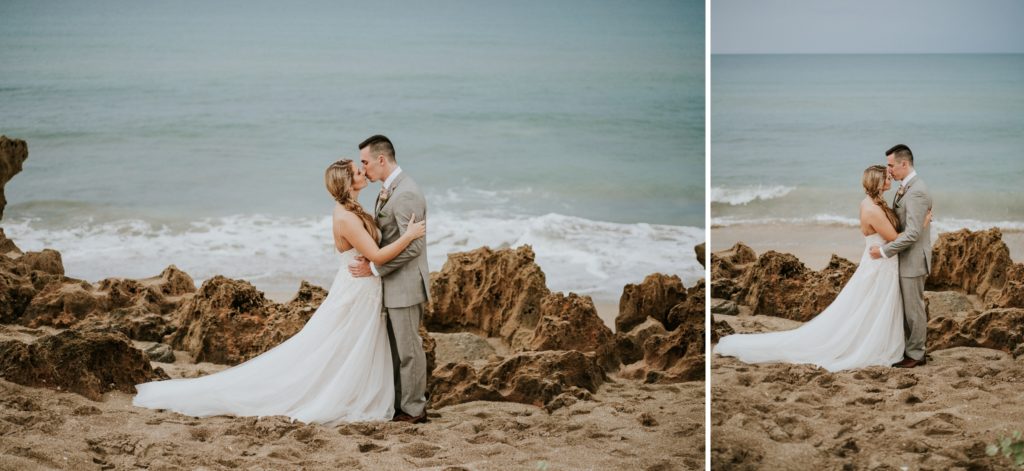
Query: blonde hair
338	179
874	181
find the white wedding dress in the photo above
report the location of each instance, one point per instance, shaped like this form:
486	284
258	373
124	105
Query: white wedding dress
862	327
336	369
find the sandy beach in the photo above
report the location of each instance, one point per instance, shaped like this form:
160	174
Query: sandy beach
938	416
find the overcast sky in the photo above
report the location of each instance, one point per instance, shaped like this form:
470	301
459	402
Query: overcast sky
866	26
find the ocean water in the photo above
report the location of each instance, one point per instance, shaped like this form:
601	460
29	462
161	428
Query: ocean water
197	133
792	134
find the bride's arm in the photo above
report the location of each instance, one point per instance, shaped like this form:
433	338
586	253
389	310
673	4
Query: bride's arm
350	227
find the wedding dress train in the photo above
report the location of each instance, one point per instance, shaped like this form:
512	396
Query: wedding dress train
862	327
336	369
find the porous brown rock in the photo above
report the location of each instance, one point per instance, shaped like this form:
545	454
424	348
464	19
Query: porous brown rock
571	323
672	357
87	363
537	378
720	329
778	284
727	266
502	294
462	347
494	293
13	153
223	323
7	246
630	345
654	297
977	262
700	249
999	329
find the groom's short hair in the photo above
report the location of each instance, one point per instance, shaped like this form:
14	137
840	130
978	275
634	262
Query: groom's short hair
379	144
901	152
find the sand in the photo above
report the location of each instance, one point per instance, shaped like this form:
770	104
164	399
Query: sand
627	425
815	244
939	416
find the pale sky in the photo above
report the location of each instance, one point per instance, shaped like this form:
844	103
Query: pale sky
866	26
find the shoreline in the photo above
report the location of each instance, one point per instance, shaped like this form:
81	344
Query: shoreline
814	244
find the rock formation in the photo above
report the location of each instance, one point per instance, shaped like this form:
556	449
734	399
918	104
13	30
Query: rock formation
667	344
978	263
89	364
13	153
502	293
547	378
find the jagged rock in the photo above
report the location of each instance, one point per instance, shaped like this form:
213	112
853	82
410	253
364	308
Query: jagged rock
693	305
47	261
501	293
462	347
536	378
946	304
630	345
13	153
724	306
1000	329
172	282
780	285
653	297
89	364
61	305
308	297
977	262
160	352
495	293
720	329
7	246
727	266
16	291
571	323
672	357
223	323
700	249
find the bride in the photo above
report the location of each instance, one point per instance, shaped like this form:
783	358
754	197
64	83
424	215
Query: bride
338	367
864	324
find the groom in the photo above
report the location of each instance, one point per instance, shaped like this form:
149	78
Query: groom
914	248
405	278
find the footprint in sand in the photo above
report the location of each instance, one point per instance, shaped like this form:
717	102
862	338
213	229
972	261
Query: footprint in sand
419	450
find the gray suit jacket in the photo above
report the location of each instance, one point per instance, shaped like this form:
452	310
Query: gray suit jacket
406	278
914	245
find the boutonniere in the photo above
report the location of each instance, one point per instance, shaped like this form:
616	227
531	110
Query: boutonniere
382	198
901	191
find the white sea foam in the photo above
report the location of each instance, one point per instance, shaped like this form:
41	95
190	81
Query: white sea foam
938	225
743	196
275	253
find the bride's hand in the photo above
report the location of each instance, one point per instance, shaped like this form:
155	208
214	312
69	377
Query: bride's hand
415	229
928	218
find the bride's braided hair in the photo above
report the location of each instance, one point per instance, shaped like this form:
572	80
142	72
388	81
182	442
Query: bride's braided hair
338	178
874	182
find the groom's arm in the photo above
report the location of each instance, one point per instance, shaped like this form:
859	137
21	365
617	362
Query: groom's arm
405	205
917	208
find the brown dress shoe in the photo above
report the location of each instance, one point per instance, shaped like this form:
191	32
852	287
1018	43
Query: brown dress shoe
419	419
908	362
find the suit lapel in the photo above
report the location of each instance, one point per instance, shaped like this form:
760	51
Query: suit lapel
905	188
394	186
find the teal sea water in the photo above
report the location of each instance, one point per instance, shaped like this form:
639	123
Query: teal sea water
197	133
791	135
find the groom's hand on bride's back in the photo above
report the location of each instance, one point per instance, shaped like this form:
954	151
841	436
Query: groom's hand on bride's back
876	252
360	267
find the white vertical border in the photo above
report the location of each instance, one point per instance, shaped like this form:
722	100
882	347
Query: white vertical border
707	234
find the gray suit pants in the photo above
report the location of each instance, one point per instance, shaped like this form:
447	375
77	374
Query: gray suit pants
915	319
410	363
